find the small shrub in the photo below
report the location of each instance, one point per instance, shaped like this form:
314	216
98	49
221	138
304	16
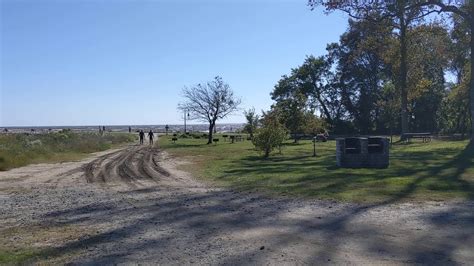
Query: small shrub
269	137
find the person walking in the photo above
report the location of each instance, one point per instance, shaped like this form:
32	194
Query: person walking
142	136
150	136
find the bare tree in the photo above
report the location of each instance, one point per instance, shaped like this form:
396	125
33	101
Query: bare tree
209	102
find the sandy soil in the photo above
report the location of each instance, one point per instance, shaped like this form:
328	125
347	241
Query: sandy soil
133	205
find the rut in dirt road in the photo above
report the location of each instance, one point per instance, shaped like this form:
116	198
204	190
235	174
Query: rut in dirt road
127	165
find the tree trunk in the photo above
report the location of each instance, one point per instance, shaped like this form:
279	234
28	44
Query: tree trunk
471	83
403	75
211	130
267	152
325	109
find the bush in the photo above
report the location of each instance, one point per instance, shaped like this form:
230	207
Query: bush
269	137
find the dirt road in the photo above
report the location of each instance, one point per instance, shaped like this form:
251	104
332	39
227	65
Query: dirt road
135	205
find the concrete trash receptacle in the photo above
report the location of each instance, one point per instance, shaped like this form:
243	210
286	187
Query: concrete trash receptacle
378	152
357	152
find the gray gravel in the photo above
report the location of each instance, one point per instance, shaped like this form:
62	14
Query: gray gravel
170	218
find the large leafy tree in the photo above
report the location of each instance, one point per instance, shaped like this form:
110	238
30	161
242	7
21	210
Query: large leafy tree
361	70
460	48
454	107
209	102
291	112
428	61
463	12
312	83
403	14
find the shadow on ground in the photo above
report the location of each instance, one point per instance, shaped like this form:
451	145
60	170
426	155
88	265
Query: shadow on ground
176	225
424	175
227	227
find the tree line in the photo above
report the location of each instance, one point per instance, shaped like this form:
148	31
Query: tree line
387	73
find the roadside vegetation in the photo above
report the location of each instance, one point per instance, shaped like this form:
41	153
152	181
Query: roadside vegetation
21	149
19	256
418	171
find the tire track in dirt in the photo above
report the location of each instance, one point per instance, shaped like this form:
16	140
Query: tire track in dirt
128	165
142	165
156	166
109	171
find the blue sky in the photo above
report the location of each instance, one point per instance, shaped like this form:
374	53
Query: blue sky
95	62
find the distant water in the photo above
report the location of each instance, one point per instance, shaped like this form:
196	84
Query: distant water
124	128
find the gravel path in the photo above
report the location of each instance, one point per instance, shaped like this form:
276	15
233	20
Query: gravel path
133	205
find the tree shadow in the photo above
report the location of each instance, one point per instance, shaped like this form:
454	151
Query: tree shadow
196	227
313	176
191	227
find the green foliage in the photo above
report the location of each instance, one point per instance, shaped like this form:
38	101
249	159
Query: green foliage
360	56
357	87
310	87
428	60
19	256
270	136
21	149
314	125
454	114
388	106
404	44
292	112
252	122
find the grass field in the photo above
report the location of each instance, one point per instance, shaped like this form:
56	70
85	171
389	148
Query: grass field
21	149
418	171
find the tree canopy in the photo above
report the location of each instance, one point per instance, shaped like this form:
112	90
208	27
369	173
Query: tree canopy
388	71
